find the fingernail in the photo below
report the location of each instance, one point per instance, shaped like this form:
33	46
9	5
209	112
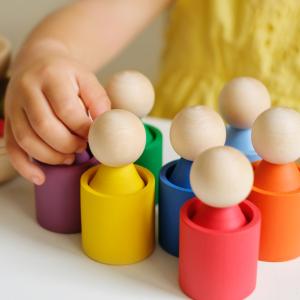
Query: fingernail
68	161
37	180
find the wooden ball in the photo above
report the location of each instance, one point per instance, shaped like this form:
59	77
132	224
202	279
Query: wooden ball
117	138
221	177
195	129
242	100
132	91
276	135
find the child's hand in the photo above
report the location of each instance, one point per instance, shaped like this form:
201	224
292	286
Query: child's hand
46	113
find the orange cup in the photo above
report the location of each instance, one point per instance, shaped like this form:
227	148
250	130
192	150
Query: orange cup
276	192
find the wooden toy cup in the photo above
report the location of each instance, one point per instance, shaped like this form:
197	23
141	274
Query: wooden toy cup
171	198
280	239
118	229
152	155
58	199
276	190
218	265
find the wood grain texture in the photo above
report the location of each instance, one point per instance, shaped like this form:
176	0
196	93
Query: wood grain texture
195	129
221	177
117	138
275	135
132	91
242	100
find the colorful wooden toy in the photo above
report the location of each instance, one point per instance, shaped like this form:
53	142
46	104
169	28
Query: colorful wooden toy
240	102
132	91
58	199
193	130
7	172
219	231
276	190
117	197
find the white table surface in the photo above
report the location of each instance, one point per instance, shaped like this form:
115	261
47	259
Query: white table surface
38	264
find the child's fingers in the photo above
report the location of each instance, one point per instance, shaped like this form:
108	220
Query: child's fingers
93	94
62	94
20	159
32	144
49	127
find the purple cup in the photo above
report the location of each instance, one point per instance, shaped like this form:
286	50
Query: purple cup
58	199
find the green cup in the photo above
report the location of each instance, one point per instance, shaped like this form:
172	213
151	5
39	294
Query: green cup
152	155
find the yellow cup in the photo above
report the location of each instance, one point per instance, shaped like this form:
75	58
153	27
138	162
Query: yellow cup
118	229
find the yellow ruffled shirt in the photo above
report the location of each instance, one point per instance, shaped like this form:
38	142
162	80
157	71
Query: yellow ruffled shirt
210	42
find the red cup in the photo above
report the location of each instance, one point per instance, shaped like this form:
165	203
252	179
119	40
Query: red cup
218	265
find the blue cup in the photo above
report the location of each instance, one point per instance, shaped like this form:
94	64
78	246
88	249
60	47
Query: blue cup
174	191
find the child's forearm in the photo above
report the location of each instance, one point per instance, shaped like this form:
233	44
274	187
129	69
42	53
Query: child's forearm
91	31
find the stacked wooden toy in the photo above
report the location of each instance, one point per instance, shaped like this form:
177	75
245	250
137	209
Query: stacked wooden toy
219	230
276	190
213	203
193	130
132	91
117	197
241	101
